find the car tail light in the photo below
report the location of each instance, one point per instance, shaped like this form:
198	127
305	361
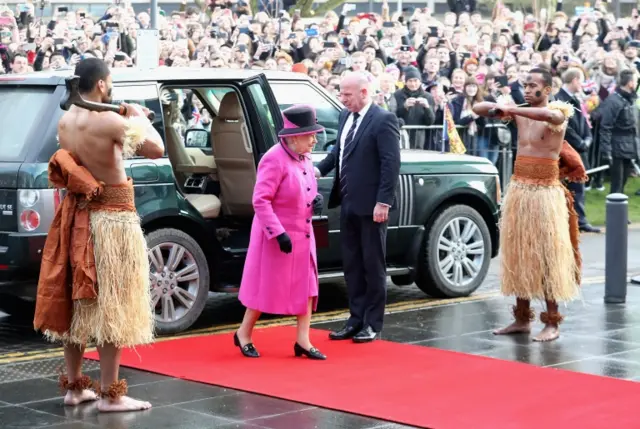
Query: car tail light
30	220
498	191
36	208
28	197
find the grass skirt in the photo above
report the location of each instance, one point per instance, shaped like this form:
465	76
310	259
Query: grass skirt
122	314
538	259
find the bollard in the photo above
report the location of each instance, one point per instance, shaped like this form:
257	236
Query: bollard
615	268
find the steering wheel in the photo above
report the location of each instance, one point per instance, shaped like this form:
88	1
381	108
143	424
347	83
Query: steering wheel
327	146
323	138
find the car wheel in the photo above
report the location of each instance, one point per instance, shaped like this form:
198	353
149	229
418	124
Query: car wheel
455	256
179	275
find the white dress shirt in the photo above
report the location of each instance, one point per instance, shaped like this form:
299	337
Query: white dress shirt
347	127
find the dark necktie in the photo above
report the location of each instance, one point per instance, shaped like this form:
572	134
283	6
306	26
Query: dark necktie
345	150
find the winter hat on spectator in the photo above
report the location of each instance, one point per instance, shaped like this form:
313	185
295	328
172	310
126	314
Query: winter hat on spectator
469	61
391	67
432	85
411	73
299	68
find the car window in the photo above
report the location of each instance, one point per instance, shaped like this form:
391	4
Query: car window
290	93
144	95
189	109
264	113
24	106
216	95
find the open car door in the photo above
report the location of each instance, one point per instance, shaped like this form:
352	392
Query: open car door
265	112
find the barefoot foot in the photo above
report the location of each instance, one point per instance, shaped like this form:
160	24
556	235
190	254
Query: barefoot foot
124	403
74	397
548	333
514	328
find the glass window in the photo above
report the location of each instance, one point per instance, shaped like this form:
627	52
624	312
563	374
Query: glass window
288	94
264	113
218	94
146	96
189	109
24	106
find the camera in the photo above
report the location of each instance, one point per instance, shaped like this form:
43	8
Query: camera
490	59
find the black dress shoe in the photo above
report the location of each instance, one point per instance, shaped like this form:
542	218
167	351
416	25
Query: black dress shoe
590	228
365	336
247	350
345	333
312	353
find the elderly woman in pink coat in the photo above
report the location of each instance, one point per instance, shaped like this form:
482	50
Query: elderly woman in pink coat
281	271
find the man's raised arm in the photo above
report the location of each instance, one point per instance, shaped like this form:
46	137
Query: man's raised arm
152	147
484	109
543	114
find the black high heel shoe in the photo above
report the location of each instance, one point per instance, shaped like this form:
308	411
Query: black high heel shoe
312	353
248	350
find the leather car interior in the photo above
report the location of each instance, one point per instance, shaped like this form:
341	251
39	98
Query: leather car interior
234	157
208	205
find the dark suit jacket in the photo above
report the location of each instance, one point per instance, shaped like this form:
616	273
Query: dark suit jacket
372	162
578	131
517	92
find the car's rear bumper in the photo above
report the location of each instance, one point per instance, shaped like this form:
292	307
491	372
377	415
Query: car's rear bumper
20	257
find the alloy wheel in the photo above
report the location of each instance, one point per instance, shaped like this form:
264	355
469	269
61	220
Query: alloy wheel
460	251
175	281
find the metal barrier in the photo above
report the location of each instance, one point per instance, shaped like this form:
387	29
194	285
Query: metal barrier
494	143
607	167
496	135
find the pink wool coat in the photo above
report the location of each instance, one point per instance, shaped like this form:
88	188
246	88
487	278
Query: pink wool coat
275	282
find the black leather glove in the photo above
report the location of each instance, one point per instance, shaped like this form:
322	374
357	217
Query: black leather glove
318	203
285	242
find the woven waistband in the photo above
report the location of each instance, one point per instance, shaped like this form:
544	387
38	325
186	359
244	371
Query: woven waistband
536	171
115	197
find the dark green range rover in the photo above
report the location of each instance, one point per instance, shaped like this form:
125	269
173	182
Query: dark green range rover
195	203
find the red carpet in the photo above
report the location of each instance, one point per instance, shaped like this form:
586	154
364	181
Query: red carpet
414	385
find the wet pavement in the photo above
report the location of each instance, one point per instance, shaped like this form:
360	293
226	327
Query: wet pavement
17	336
596	338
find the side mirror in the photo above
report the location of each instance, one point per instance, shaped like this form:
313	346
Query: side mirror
197	138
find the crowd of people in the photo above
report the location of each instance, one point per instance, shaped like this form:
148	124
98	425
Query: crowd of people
423	68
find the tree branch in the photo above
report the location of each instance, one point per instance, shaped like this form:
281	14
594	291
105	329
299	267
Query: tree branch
327	6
